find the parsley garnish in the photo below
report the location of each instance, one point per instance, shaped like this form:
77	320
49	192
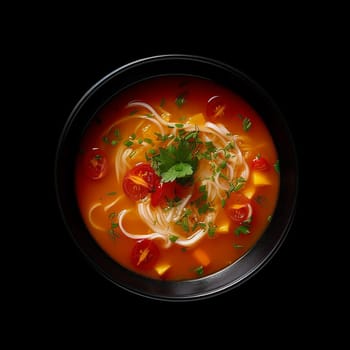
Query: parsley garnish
180	100
178	161
246	124
242	230
277	166
199	270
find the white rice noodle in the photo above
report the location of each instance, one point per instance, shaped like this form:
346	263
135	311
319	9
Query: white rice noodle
153	235
137	116
110	205
179	208
93	207
151	110
161	222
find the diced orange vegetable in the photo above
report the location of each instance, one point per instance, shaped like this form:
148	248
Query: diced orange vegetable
222	228
197	119
201	256
162	268
260	179
249	192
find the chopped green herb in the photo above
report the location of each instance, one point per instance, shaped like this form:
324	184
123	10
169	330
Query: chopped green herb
242	230
260	199
211	230
113	193
179	170
237	245
134	111
269	218
199	270
128	143
277	166
246	124
112	215
105	139
178	161
180	100
184	223
236	186
173	238
147	140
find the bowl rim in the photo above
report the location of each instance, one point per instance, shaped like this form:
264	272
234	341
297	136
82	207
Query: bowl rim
190	289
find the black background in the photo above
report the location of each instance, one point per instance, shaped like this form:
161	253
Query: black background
283	60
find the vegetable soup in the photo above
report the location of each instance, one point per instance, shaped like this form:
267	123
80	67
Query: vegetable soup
177	177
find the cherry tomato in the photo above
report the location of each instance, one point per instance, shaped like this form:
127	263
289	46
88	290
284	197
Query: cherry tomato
239	208
164	191
139	181
95	163
144	254
260	163
215	108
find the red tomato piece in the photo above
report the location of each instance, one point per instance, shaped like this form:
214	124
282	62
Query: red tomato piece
139	181
260	163
95	163
144	254
239	208
164	192
215	108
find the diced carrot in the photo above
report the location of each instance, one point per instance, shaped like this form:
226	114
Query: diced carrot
249	192
201	256
197	119
162	268
260	179
222	228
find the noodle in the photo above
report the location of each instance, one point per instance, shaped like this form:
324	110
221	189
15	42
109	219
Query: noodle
161	221
176	178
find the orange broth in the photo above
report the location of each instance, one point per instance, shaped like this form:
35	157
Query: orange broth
182	101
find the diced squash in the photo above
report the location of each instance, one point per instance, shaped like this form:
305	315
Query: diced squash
161	269
249	192
222	228
260	179
201	256
197	119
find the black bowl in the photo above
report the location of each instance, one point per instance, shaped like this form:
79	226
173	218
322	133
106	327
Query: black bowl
127	75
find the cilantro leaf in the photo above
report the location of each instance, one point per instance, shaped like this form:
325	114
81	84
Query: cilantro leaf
178	170
179	160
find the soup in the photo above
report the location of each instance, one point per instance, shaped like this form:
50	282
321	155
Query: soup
177	177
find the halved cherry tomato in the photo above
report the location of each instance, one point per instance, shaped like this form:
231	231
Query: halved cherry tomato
144	254
239	208
215	108
260	163
139	181
166	192
95	163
